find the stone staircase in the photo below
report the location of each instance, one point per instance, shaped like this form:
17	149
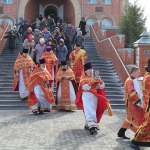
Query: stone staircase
8	98
11	100
114	88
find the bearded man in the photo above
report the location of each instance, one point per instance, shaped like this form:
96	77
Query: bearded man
23	68
91	99
40	95
51	63
78	57
66	88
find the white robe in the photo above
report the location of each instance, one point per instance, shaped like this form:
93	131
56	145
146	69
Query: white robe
90	105
53	76
22	89
72	95
42	101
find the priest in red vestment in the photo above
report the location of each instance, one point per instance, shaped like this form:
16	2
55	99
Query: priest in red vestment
40	95
23	68
91	99
133	103
66	88
78	57
51	63
142	136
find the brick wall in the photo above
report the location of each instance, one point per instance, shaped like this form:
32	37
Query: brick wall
106	50
144	56
113	9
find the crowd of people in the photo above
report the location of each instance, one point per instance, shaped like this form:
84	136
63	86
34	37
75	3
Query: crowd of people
43	63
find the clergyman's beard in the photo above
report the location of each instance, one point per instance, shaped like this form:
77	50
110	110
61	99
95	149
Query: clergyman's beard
43	68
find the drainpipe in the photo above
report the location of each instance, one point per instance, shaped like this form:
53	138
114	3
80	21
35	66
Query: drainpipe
17	15
82	8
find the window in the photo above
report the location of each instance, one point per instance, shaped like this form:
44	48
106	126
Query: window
9	21
7	1
92	1
106	23
107	2
89	23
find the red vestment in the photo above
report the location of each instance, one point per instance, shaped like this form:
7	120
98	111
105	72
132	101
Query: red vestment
103	102
40	77
78	58
135	114
24	64
142	136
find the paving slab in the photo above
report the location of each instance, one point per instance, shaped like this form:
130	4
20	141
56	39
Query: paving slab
60	130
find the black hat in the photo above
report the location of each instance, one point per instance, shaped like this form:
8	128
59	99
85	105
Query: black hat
87	66
78	45
147	68
63	62
50	40
148	63
42	61
25	50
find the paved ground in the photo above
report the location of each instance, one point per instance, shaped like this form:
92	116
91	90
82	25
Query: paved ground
59	130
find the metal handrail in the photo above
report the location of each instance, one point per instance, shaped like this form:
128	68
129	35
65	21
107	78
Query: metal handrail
113	48
4	32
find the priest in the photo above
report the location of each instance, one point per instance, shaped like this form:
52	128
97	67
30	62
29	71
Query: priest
51	63
142	136
133	103
91	98
23	68
66	88
40	95
78	57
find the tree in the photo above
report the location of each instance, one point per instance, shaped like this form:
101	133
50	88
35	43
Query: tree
132	23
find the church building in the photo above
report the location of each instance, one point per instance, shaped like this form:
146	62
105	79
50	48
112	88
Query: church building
106	11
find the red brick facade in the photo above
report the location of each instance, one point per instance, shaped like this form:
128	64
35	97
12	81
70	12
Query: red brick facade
31	11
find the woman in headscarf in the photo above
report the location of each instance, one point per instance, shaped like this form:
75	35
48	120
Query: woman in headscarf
82	26
29	44
61	51
12	40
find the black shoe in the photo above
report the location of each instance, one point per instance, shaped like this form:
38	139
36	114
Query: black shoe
92	130
86	128
47	111
124	137
35	113
135	147
41	112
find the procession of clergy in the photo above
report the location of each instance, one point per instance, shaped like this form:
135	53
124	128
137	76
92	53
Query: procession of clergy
78	86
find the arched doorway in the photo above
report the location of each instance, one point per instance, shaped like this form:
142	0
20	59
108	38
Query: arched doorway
51	10
29	9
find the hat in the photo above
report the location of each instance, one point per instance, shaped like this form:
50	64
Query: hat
36	30
148	63
42	61
147	68
25	50
44	28
61	41
50	40
42	40
87	66
63	62
29	36
48	48
80	32
78	45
